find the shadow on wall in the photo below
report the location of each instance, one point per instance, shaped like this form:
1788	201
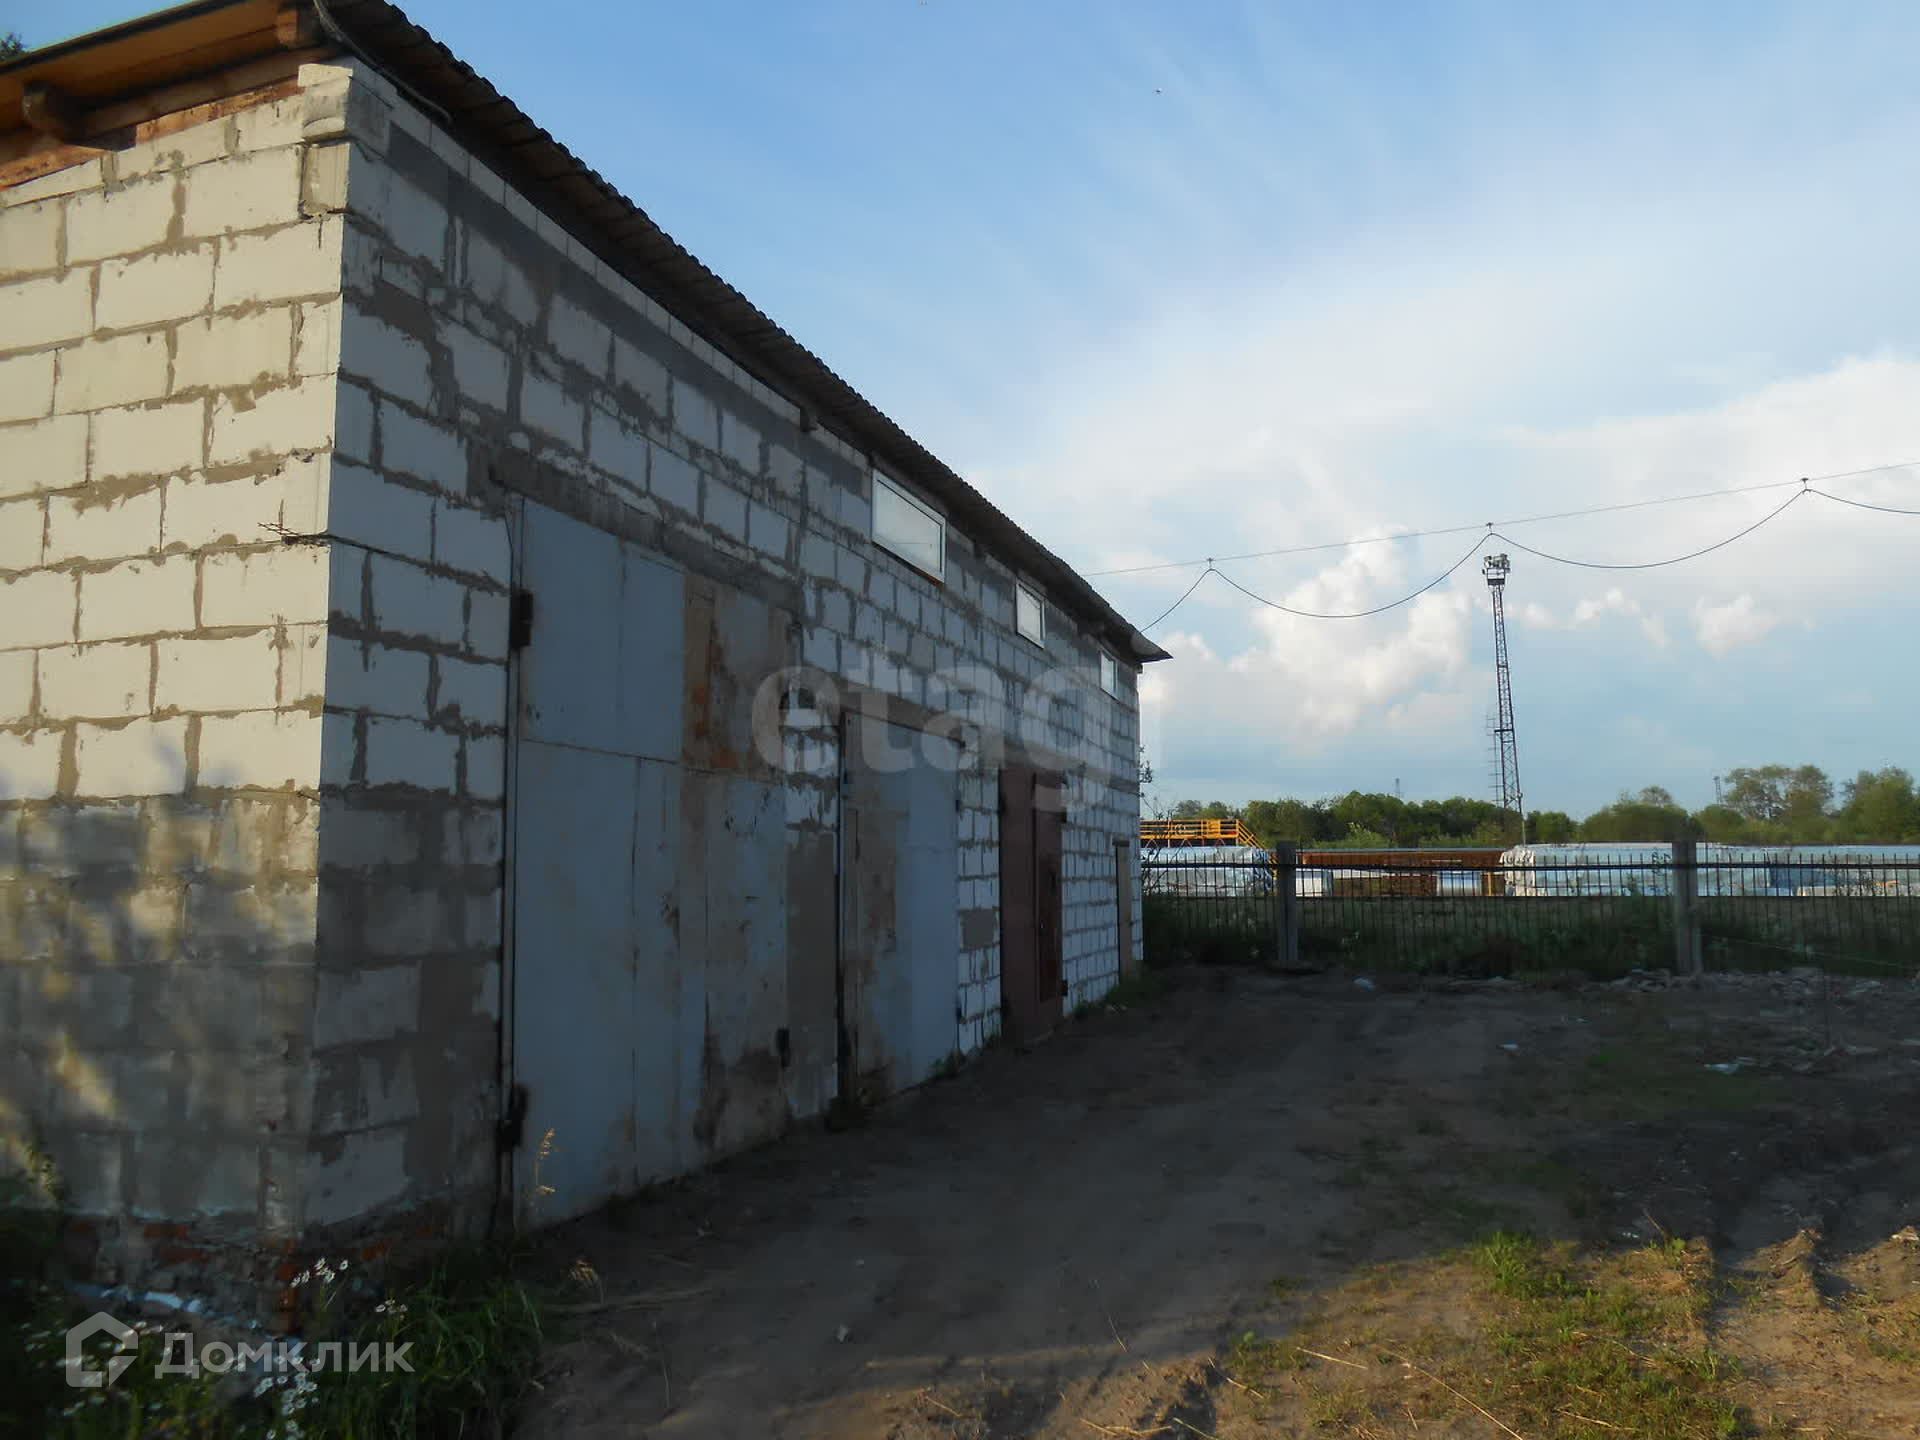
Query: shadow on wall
156	1000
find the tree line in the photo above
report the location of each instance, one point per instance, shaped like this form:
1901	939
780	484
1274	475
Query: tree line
1756	805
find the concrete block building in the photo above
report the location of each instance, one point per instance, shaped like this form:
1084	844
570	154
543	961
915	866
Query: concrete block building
487	720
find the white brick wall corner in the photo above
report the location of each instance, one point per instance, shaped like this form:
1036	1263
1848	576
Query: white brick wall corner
260	749
286	584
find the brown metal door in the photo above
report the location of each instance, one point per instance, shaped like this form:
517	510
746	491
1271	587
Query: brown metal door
1049	821
1031	825
1017	936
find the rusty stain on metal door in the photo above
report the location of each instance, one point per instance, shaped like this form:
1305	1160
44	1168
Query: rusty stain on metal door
1032	816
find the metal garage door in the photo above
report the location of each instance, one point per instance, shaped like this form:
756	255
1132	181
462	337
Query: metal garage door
900	978
605	1022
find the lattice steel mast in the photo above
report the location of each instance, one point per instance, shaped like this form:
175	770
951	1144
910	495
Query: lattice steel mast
1496	569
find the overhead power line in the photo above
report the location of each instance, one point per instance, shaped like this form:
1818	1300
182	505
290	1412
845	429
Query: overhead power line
1862	504
1183	599
1780	509
1484	526
1471	551
1490	533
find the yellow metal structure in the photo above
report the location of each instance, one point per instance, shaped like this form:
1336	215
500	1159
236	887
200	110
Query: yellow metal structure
1194	834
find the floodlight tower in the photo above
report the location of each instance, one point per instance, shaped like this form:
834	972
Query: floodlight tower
1496	569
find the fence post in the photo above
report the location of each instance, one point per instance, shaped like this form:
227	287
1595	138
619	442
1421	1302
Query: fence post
1286	864
1686	913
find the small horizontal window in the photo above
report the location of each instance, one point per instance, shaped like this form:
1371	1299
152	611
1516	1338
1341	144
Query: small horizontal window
908	528
1109	674
1030	614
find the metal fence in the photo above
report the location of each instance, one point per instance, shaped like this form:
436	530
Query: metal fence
1682	908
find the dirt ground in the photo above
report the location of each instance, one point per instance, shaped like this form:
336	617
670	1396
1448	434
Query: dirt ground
1249	1205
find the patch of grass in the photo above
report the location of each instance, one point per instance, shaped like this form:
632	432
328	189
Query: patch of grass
143	1401
1509	1335
468	1329
1515	1264
1595	1347
1345	1405
475	1333
35	1314
1255	1357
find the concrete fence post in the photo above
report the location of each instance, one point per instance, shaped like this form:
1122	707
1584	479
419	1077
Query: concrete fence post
1686	909
1286	910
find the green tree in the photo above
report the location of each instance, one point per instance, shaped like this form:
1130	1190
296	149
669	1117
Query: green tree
1551	827
1358	837
1808	798
1381	814
1451	821
1194	810
1727	826
1635	820
11	45
1273	821
1759	792
1880	808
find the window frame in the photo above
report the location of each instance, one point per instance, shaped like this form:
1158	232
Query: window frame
1110	672
900	492
1037	636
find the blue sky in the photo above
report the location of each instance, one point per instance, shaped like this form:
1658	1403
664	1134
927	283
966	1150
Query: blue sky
1175	281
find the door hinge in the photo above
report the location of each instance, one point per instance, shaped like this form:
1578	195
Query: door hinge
520	620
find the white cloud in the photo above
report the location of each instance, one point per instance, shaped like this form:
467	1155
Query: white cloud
1549	339
1728	626
1303	682
1274	691
1617	602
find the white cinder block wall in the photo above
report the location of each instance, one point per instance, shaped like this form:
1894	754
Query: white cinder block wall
266	388
168	340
